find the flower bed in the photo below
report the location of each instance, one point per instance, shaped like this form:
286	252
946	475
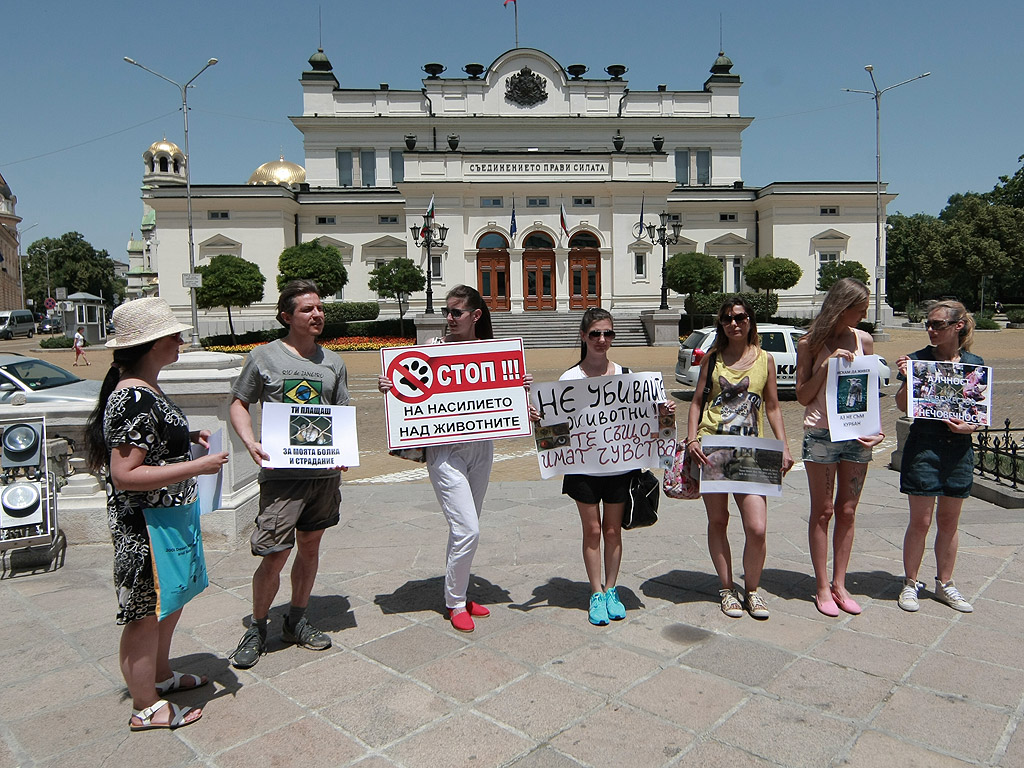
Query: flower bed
342	344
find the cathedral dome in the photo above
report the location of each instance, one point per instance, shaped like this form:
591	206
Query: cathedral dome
278	172
165	146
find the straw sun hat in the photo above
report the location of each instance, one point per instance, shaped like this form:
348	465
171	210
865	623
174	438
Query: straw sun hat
143	320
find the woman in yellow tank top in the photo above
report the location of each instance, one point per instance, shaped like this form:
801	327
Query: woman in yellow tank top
743	391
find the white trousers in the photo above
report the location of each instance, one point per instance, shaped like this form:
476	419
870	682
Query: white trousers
459	474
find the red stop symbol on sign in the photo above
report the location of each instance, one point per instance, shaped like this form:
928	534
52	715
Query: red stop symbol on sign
411	377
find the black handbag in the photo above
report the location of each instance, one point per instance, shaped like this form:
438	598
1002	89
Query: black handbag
642	502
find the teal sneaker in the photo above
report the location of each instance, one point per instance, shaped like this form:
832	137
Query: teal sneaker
616	610
598	610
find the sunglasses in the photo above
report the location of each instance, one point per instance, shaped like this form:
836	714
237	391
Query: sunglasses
454	312
739	319
599	334
938	325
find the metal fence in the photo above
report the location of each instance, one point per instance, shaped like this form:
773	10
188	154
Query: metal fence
997	454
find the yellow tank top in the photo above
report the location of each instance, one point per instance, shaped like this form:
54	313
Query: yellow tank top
735	404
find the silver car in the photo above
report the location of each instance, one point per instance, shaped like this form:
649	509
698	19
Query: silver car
780	340
42	382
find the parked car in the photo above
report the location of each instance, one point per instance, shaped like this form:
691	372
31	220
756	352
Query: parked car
17	322
51	325
780	340
42	382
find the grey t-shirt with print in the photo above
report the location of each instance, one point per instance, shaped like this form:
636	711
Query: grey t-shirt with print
273	373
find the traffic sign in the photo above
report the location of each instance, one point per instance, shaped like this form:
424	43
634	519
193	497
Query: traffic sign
62	294
191	280
50	303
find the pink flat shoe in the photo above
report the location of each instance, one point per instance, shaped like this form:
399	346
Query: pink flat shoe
849	604
829	608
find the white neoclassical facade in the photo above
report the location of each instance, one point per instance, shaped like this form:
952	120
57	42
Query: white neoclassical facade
523	135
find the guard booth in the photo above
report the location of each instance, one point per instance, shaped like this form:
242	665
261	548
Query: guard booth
84	309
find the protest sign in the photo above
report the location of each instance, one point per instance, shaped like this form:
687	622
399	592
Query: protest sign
950	391
309	436
455	393
603	425
741	465
851	398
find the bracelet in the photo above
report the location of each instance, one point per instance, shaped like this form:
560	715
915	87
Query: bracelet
691	440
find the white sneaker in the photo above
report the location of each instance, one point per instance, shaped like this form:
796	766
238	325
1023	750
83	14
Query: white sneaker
908	595
948	593
731	605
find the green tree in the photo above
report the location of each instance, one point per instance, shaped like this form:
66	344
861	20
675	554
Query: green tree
313	261
229	281
73	264
1010	189
913	267
836	270
770	273
396	279
693	273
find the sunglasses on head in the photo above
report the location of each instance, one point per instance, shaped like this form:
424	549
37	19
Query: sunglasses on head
454	312
938	325
599	334
739	318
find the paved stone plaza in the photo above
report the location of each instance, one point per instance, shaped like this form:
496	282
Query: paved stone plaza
675	684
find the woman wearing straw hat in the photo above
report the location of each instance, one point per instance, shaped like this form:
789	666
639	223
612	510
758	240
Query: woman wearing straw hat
143	442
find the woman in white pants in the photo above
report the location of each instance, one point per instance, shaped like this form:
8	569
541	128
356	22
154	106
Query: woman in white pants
460	472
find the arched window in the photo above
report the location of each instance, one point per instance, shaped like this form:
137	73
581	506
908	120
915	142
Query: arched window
163	165
492	240
584	240
538	240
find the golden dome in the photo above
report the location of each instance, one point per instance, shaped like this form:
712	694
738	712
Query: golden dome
164	145
278	172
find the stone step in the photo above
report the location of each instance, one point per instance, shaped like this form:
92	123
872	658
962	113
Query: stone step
561	329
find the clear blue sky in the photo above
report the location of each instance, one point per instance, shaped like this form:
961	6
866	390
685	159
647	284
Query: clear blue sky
65	84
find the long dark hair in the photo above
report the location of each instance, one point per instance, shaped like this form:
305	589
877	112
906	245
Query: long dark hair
473	299
591	316
721	340
96	455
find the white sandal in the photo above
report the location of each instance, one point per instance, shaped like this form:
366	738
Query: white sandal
173	683
145	717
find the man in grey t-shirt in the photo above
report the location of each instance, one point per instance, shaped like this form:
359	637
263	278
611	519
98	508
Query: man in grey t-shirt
296	505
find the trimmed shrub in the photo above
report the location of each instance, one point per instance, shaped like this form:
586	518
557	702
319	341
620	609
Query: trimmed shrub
985	324
709	303
865	325
57	342
389	327
1015	316
346	311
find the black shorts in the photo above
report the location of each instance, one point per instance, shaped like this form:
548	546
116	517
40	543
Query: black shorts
592	489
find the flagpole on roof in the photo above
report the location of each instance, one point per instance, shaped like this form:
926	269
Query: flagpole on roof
515	8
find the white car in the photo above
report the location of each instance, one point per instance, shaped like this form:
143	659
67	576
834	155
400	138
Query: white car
780	340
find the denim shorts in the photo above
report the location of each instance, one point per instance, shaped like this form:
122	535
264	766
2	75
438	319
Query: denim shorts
818	449
937	466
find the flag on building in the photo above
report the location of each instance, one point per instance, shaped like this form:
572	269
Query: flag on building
642	198
512	227
428	218
561	218
510	1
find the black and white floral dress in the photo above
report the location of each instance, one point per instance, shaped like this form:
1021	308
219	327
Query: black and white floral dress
138	416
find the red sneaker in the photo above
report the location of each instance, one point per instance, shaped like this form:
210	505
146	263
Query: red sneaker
475	609
461	619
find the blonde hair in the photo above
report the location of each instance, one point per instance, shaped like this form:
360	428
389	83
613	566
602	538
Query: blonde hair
845	293
955	312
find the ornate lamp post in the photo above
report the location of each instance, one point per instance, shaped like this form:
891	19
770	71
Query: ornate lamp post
876	94
428	236
658	235
188	189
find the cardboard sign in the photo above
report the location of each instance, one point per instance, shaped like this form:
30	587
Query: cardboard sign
741	465
455	393
309	436
208	487
950	391
851	398
604	425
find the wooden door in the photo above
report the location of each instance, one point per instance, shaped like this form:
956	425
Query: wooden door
539	280
584	278
492	278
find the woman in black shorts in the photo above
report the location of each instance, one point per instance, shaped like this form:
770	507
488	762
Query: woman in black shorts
589	491
937	464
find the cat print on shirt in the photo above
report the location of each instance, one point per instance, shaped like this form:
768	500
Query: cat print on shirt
740	408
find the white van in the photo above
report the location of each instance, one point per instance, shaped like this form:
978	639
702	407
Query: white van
16	322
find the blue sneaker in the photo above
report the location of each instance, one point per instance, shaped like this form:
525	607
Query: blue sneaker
616	610
598	611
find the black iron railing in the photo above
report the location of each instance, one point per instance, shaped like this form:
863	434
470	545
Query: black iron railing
997	454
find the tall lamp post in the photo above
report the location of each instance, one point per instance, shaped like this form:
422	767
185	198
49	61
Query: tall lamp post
21	259
658	235
46	253
876	94
427	237
188	189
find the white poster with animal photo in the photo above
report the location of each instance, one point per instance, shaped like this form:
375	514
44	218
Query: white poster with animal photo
950	391
851	398
309	436
741	465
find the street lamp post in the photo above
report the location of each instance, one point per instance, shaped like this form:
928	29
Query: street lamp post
876	94
660	236
47	252
429	236
188	188
21	259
